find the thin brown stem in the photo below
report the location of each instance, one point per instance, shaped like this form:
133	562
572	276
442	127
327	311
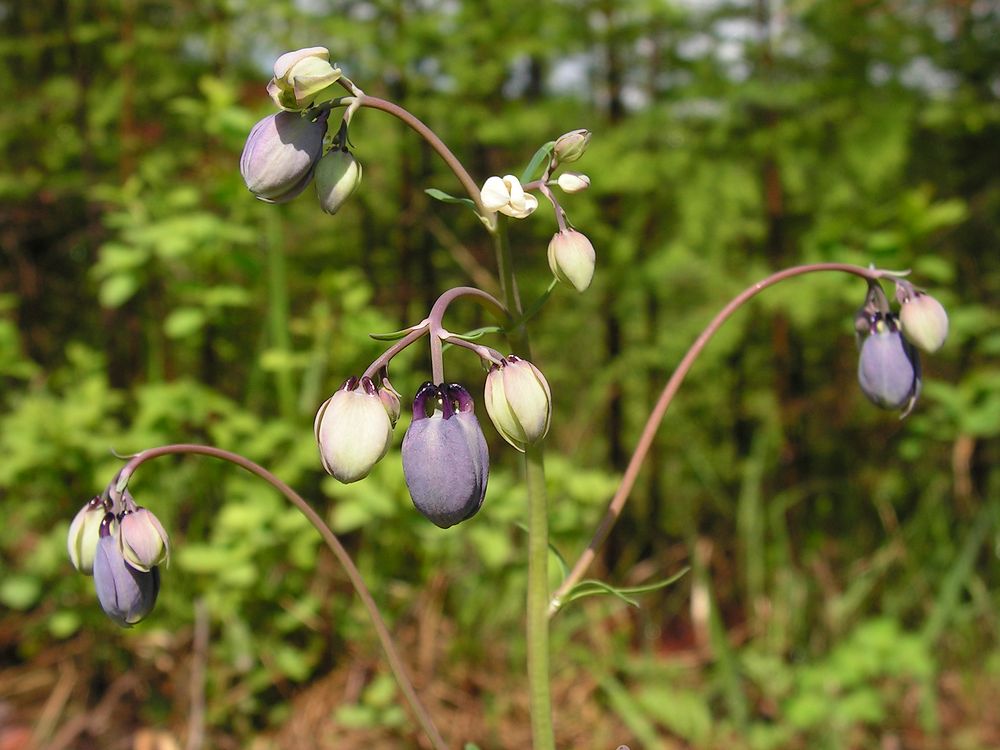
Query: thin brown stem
353	575
666	397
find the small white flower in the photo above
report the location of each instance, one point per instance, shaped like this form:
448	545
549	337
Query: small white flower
573	182
505	194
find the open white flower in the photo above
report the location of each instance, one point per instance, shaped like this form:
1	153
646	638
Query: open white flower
505	194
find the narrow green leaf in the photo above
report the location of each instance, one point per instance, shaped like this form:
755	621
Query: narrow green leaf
392	336
541	155
591	587
441	195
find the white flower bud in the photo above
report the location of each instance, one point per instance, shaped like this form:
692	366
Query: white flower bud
924	321
301	78
84	533
519	402
573	182
505	194
572	258
353	431
144	542
570	146
338	175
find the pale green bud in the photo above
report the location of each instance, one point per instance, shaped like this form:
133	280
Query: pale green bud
924	321
338	175
572	258
353	431
390	400
144	542
570	146
573	182
84	533
302	78
519	402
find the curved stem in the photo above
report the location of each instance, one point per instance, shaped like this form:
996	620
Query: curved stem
436	143
419	330
436	318
666	397
353	575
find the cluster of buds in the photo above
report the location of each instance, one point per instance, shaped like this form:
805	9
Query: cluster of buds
571	254
284	151
122	546
889	365
446	461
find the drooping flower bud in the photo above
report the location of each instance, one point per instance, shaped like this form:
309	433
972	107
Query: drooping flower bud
445	459
572	258
390	400
144	542
505	194
888	368
280	155
519	402
570	146
573	182
924	321
338	175
353	430
302	78
84	533
127	595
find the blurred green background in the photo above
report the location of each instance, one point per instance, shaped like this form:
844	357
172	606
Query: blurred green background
844	584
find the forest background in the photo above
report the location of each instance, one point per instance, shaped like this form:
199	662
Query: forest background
843	590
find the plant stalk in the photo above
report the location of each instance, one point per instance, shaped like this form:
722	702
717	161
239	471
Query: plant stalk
353	574
537	623
667	396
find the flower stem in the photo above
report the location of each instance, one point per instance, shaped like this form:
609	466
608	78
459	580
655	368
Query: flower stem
537	625
353	575
666	397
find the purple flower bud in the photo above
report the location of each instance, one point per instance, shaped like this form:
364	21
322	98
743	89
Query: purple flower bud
126	595
280	155
144	542
84	533
889	369
445	459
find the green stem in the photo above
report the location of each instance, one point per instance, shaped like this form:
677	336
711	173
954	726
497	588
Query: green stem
537	625
277	313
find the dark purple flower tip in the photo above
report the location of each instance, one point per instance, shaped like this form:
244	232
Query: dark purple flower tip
427	396
126	595
888	368
460	397
446	461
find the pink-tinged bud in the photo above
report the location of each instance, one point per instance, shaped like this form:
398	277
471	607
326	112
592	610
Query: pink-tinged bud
353	431
888	368
126	595
84	533
338	175
519	402
390	400
303	78
573	182
924	321
144	542
445	459
570	146
280	155
572	259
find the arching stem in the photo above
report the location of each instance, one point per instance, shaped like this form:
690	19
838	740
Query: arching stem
666	397
353	575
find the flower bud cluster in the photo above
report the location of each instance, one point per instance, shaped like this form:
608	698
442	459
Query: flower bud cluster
122	551
889	366
284	150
